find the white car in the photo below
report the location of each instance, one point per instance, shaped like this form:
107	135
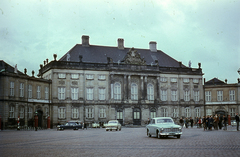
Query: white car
95	125
113	125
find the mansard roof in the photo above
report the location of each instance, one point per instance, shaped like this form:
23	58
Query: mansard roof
8	68
215	81
99	54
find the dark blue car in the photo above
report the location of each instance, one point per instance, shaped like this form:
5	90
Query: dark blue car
70	125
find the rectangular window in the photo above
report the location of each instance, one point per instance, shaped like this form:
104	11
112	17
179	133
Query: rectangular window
220	95
153	114
11	88
232	112
150	92
29	91
195	80
173	79
61	75
74	113
101	77
186	80
74	76
136	115
186	95
61	113
89	113
102	113
165	112
89	77
163	95
175	113
196	95
11	112
163	79
101	93
208	95
21	92
208	112
61	93
134	92
38	92
29	113
119	115
232	95
117	91
174	95
89	93
46	93
21	112
197	110
74	93
187	112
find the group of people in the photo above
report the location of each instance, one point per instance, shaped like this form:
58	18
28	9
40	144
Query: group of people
209	122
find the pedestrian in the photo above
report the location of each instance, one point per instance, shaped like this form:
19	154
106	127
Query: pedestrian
186	122
191	121
220	121
207	121
210	122
196	121
148	121
237	121
204	123
215	122
225	122
181	122
200	122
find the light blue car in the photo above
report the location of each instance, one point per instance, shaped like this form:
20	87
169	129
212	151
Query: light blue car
163	127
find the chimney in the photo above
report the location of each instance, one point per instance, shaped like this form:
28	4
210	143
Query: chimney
85	41
120	43
153	46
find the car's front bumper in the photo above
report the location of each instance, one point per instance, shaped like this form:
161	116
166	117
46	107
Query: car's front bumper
170	133
111	127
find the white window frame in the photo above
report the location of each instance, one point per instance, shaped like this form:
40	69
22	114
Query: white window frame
119	114
102	113
196	95
150	92
186	95
208	95
61	76
89	112
173	79
46	93
232	112
74	93
232	95
61	113
38	92
208	112
187	112
220	95
117	91
174	95
195	80
165	112
136	115
163	79
89	76
185	80
89	93
153	113
74	76
101	77
163	94
75	113
61	93
101	92
134	91
21	112
11	88
175	112
198	112
11	112
30	112
21	90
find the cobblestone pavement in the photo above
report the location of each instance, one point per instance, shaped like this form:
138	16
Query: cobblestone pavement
131	142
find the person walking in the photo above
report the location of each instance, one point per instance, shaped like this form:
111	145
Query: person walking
225	122
191	121
181	122
210	122
215	122
220	121
237	121
204	123
186	122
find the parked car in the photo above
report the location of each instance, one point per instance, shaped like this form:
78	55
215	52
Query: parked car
95	125
113	125
163	127
75	125
233	122
104	125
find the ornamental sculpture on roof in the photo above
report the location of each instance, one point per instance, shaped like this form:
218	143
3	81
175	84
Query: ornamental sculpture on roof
133	57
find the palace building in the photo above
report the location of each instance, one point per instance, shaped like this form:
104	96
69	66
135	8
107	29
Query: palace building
93	83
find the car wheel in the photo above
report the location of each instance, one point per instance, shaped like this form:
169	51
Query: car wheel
178	136
120	129
111	130
116	129
106	130
158	135
148	134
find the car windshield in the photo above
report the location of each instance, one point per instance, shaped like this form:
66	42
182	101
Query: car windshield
112	122
164	121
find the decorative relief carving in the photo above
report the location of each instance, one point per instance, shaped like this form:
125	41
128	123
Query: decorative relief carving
74	83
133	57
61	82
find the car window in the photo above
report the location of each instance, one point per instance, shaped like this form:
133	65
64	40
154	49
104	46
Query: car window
164	121
112	122
152	121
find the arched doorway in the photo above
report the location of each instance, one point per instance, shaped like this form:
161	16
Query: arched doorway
136	116
120	116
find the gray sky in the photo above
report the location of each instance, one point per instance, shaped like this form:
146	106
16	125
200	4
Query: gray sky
206	31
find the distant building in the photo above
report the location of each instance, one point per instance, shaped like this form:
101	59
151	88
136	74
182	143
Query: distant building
22	96
94	83
221	97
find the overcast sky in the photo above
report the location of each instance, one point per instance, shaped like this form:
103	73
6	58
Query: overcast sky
205	31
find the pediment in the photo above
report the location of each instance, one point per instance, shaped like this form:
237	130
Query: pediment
132	57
